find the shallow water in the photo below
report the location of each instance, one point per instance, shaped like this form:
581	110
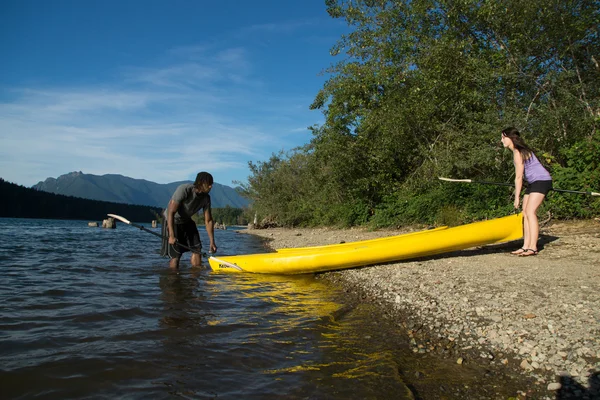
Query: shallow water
95	313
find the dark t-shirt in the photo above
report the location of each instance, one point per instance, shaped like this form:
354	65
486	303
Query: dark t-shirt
189	201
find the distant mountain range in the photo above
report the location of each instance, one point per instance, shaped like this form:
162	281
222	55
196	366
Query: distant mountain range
122	189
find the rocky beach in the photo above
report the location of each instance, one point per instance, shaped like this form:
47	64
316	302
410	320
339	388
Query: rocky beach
537	316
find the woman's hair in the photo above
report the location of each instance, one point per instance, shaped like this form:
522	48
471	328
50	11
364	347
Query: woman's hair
203	178
514	135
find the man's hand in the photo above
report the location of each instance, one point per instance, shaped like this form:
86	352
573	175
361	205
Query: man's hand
172	240
213	248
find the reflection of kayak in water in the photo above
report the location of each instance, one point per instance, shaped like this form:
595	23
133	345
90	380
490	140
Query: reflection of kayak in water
374	251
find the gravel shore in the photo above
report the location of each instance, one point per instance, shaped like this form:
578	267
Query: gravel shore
537	315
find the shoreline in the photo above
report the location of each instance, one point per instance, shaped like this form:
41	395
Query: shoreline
538	316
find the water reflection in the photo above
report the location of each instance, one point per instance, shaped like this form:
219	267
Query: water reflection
183	298
311	337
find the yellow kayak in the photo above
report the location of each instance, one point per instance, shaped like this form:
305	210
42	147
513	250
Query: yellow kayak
351	245
374	251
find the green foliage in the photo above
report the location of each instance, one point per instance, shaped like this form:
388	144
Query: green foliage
229	216
424	91
226	215
582	173
450	215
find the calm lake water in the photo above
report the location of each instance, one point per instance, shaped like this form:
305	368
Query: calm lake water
96	313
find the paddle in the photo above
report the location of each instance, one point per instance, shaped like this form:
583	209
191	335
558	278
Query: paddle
510	184
126	221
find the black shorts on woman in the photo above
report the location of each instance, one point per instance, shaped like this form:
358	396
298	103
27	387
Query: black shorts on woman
542	187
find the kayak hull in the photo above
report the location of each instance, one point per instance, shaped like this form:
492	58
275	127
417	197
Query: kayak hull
374	251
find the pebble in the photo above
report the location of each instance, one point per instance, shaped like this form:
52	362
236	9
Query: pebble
525	365
554	386
541	310
543	347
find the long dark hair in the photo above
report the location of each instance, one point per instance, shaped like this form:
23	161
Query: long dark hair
514	135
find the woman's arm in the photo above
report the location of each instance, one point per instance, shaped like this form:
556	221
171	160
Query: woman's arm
519	170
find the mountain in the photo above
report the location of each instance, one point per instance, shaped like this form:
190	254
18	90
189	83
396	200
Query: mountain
122	189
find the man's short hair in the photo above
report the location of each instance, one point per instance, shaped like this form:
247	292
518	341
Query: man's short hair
203	178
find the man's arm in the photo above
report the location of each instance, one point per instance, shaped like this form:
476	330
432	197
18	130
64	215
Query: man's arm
210	229
171	210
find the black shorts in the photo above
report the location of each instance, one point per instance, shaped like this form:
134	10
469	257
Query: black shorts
542	187
186	233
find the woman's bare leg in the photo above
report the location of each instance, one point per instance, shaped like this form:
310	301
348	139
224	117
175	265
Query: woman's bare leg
530	215
525	227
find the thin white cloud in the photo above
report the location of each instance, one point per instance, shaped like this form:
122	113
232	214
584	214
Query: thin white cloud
206	71
191	51
299	130
115	131
202	110
285	27
233	59
184	76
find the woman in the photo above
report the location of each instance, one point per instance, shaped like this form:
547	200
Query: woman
539	183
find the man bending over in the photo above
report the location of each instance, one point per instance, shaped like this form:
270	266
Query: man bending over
179	228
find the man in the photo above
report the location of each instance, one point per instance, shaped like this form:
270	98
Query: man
179	228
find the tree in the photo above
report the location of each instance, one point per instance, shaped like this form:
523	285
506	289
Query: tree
424	90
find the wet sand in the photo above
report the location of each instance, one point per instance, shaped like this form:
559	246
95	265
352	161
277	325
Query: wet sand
538	316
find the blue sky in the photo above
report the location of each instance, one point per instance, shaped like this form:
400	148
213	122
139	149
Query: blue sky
157	90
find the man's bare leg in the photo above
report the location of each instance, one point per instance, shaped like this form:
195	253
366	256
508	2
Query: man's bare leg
196	260
174	263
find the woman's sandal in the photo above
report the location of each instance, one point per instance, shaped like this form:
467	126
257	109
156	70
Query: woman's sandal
519	251
529	252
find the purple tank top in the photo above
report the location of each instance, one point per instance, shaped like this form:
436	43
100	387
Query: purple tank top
535	171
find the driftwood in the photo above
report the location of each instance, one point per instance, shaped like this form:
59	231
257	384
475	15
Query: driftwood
109	223
544	222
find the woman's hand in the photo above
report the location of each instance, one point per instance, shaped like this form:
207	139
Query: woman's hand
517	202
